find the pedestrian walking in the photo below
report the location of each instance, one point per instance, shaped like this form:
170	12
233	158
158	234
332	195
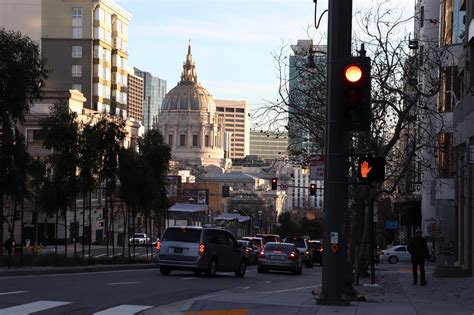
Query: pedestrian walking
418	249
9	244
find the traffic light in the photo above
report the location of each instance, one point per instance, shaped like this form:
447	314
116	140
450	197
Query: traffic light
274	183
312	189
225	191
371	169
354	77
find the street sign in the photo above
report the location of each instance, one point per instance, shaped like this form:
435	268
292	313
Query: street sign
316	165
283	186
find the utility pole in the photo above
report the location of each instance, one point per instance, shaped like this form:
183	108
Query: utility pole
336	271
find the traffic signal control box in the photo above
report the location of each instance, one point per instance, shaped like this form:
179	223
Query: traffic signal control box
354	92
371	169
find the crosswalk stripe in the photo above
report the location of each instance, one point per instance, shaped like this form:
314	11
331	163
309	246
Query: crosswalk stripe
124	310
12	292
29	308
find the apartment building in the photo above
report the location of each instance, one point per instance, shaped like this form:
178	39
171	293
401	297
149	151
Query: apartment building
236	122
84	43
135	96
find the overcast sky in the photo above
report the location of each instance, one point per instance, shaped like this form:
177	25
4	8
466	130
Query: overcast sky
232	41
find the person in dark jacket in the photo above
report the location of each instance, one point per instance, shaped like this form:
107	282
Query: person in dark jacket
418	250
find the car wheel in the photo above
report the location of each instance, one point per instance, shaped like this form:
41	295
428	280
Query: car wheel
212	268
242	269
393	259
165	271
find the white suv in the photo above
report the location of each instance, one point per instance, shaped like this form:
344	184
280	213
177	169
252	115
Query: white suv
139	239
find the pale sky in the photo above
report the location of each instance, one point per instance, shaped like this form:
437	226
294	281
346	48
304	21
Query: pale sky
232	41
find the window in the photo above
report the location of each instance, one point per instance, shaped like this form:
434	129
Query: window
77	32
170	140
76	51
76	71
77	13
447	23
182	140
228	109
445	155
77	87
206	140
35	136
422	16
240	110
401	249
220	109
449	89
195	141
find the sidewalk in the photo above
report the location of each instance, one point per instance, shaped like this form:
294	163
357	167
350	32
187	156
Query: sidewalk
394	294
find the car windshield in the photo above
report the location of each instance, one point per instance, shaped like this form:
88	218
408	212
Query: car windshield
314	245
182	235
286	248
139	235
270	238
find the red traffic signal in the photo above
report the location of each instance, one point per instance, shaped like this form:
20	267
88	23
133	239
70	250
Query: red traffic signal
312	189
274	183
371	169
354	78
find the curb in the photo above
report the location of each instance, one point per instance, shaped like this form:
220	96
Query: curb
28	271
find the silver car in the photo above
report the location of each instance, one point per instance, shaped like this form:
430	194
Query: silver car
201	250
280	256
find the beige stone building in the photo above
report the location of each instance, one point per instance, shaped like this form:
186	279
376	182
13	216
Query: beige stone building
237	124
190	124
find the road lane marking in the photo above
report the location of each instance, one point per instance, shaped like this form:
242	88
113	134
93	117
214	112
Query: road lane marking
12	292
29	308
120	283
124	310
241	311
294	289
268	282
80	273
100	255
188	278
245	288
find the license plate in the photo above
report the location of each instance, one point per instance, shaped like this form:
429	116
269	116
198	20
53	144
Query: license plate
178	250
275	257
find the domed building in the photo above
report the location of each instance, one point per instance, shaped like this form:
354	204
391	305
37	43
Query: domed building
190	124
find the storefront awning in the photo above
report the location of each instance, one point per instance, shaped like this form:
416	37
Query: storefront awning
187	207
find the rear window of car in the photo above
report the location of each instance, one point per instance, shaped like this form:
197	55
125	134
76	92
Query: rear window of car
182	235
270	238
286	248
315	245
298	243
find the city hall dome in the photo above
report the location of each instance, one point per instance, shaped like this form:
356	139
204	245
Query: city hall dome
188	95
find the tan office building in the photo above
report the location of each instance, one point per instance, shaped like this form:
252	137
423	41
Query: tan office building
85	44
135	97
236	122
268	145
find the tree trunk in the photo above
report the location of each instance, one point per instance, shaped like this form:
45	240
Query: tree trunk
90	227
133	231
128	232
83	224
75	227
56	235
125	222
21	230
12	230
146	233
112	226
65	233
106	215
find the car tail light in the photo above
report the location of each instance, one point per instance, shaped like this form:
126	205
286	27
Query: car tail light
247	250
320	249
202	249
261	254
306	252
292	256
158	246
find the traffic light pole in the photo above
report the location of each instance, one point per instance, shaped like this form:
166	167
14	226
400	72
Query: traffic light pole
336	270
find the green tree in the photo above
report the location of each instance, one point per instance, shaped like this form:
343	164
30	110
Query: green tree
61	135
112	133
23	72
287	226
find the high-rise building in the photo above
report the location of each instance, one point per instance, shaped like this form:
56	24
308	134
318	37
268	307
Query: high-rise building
236	122
135	96
154	93
268	145
307	73
85	46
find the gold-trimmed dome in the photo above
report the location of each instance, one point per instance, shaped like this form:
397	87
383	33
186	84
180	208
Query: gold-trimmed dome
188	94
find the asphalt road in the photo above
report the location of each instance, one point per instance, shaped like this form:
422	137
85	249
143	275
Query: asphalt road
128	292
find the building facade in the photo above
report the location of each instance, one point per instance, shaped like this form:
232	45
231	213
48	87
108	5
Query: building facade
135	97
463	122
268	145
306	122
237	125
154	93
190	124
85	46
